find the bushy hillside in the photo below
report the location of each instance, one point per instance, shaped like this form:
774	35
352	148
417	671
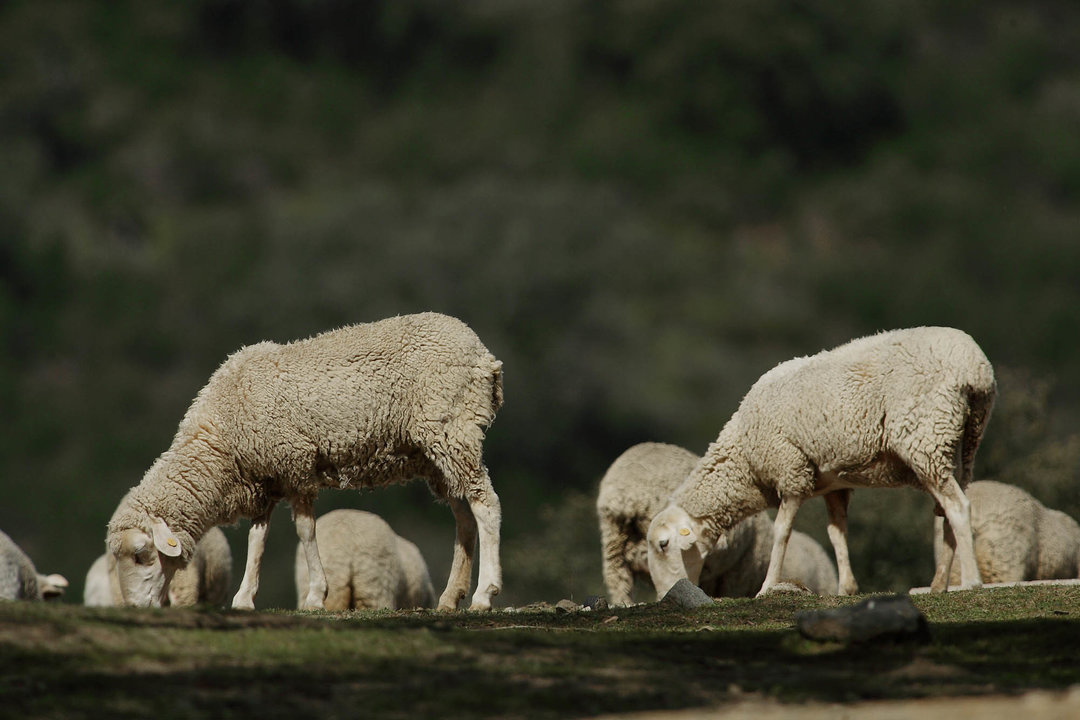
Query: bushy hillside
639	206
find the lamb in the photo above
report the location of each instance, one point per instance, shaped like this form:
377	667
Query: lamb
900	408
363	406
636	487
367	565
1017	538
205	579
19	580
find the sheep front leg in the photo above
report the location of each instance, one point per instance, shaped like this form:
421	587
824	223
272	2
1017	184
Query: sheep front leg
836	503
457	585
488	515
785	516
245	596
618	576
304	519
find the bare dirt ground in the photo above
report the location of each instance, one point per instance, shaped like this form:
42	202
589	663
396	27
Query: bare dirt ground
1038	705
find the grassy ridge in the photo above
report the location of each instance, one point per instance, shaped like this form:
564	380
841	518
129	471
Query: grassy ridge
73	661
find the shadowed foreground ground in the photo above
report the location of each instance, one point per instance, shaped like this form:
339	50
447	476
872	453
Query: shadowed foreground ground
60	660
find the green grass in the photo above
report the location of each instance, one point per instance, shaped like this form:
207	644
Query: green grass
69	661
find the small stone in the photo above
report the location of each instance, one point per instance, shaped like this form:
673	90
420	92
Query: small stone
890	617
687	595
610	619
566	606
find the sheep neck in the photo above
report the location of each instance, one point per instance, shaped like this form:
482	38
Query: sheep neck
720	492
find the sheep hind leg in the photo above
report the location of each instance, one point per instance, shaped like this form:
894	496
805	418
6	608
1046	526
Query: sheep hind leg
304	519
488	514
943	572
785	516
957	510
249	586
457	585
836	503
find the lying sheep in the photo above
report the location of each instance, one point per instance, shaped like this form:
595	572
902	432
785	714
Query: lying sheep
367	565
19	580
205	579
637	486
363	406
901	408
1017	538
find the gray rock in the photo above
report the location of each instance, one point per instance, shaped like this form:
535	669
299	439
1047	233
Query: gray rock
566	606
890	617
687	595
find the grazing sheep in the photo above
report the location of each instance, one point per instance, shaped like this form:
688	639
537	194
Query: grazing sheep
637	486
900	408
97	590
18	578
1017	538
363	406
367	565
203	580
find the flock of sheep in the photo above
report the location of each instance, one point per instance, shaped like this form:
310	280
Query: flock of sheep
411	396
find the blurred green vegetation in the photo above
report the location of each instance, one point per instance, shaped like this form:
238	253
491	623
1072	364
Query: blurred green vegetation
639	206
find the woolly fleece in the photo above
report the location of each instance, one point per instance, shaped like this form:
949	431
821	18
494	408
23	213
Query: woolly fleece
367	565
1017	538
637	486
362	406
900	408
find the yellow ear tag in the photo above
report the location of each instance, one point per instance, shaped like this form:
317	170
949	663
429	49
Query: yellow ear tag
171	542
684	531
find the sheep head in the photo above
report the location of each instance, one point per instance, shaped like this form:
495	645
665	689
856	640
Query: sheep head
675	550
145	562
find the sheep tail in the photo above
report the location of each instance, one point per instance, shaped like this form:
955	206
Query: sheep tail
495	368
980	399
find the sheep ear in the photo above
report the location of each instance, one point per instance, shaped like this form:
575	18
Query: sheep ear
164	540
687	537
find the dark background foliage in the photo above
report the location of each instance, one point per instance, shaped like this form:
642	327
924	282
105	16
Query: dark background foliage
640	206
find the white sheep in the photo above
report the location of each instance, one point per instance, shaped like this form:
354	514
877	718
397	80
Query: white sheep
900	408
205	579
363	406
19	580
637	486
367	565
1017	538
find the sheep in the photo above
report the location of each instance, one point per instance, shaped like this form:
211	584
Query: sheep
636	487
367	565
900	408
362	406
19	580
98	591
205	579
1017	538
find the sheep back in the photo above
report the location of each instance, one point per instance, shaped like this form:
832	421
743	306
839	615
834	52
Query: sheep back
382	402
367	565
739	569
634	488
18	578
1017	538
857	413
207	577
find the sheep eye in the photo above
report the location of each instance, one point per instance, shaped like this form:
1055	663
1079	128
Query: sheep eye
663	545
